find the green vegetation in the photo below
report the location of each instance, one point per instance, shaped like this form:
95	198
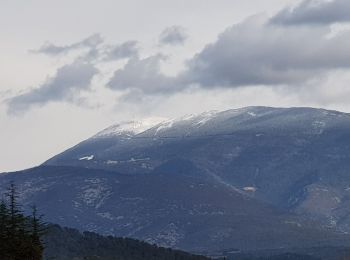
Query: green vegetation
20	235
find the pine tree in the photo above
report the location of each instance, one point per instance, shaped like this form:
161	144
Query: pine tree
17	239
3	220
20	236
4	227
37	231
17	220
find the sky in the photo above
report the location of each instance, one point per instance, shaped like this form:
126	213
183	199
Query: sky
72	68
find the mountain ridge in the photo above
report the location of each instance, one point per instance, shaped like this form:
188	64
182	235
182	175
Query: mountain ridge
207	115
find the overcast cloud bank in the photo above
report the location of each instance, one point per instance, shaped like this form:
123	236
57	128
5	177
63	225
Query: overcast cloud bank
253	52
259	51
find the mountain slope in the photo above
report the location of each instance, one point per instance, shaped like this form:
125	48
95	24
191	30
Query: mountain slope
179	209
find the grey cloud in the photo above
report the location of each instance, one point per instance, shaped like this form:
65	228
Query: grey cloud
256	52
144	75
64	86
125	50
51	49
175	35
315	12
253	52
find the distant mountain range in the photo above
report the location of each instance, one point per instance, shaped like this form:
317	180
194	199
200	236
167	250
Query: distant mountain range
250	178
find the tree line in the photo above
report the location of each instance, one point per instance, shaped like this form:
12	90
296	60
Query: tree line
20	235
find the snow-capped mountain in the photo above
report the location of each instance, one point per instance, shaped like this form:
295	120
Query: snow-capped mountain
294	158
208	181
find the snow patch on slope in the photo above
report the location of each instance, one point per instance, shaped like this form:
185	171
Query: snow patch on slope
87	158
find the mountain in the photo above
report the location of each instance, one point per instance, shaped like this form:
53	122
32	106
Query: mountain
66	244
294	158
250	178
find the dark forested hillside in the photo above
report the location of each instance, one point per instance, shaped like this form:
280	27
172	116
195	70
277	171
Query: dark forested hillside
66	244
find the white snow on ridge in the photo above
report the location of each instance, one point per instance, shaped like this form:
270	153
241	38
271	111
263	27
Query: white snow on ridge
129	128
206	116
189	120
87	158
170	123
188	117
165	125
192	122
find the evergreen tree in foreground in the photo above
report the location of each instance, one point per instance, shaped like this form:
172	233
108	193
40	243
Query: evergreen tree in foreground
20	235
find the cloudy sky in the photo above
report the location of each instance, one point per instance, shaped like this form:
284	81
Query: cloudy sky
72	68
